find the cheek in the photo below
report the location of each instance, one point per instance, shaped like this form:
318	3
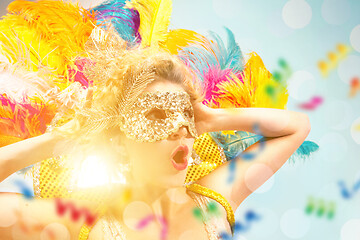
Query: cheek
149	154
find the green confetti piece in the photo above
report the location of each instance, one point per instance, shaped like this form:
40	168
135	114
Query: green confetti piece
282	63
321	209
197	213
270	91
212	208
277	76
310	206
331	212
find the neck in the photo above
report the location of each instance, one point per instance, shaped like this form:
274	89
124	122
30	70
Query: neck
153	196
147	193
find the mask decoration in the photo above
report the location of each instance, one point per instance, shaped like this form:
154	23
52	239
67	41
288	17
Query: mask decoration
156	115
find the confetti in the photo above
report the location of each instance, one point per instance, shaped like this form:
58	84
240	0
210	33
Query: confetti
145	221
279	76
239	227
319	207
333	59
211	211
312	104
62	208
285	72
25	190
345	192
354	86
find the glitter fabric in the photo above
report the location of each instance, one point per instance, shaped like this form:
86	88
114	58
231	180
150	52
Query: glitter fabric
204	191
174	110
214	224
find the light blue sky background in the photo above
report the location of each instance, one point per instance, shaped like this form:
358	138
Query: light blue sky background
301	32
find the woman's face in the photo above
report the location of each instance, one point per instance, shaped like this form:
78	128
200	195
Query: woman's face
163	162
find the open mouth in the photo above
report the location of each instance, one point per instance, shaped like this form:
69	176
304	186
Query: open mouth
179	157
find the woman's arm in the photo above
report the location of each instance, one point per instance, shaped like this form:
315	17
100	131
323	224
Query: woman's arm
19	155
272	122
284	131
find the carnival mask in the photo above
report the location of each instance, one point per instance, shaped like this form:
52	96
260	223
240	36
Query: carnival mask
156	115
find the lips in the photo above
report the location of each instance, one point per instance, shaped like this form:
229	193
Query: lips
179	157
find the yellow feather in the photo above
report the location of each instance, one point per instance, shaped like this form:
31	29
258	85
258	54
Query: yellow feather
23	46
180	38
254	91
6	140
65	25
45	33
154	20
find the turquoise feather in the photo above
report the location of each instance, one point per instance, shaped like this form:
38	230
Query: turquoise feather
304	151
233	145
202	57
125	21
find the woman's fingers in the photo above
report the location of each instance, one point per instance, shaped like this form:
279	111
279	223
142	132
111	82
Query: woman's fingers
202	116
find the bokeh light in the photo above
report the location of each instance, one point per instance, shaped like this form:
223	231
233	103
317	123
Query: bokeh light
294	224
349	68
8	213
351	230
335	12
302	85
355	38
297	13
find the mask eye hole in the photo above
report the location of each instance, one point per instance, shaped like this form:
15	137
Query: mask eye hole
155	114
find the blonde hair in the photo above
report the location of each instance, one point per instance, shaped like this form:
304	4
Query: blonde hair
118	79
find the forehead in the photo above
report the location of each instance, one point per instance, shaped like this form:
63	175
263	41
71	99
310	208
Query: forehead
163	86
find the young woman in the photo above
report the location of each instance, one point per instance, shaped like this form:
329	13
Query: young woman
155	129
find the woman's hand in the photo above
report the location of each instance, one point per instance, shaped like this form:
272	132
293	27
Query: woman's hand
203	116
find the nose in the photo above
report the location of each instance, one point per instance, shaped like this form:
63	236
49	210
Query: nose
181	132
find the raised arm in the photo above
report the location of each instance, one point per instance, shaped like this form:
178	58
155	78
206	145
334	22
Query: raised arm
283	130
19	155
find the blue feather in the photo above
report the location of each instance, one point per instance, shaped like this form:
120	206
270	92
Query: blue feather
235	57
125	21
197	59
200	57
304	151
233	145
